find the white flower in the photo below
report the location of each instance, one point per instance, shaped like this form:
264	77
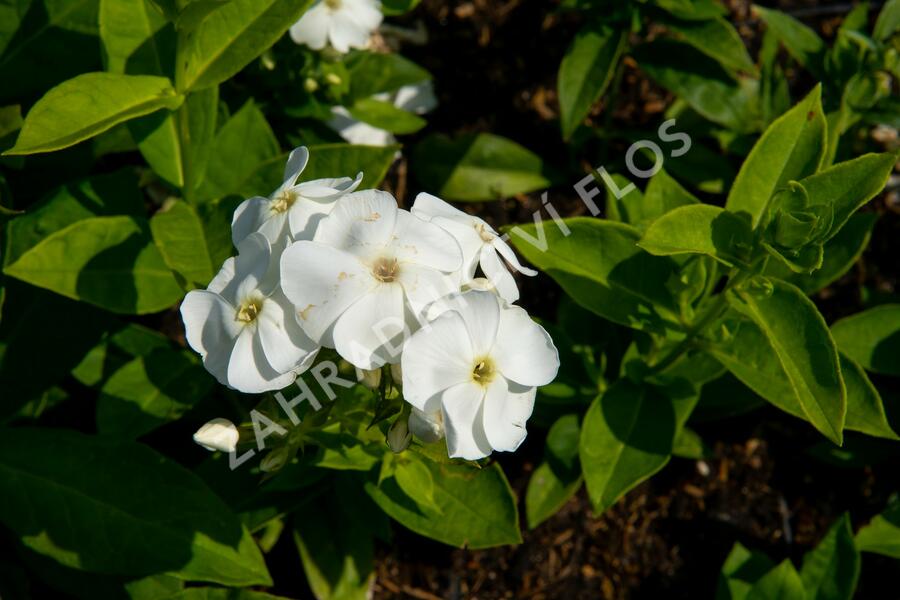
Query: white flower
479	242
428	427
243	326
417	98
294	209
361	284
479	363
344	24
218	434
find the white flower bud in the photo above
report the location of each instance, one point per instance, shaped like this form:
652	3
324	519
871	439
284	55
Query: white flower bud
399	437
218	434
428	427
369	378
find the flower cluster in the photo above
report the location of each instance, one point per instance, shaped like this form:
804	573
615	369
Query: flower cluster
321	264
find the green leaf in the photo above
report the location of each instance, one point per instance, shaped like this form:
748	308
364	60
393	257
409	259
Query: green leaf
384	115
232	36
136	39
841	252
791	148
203	593
865	409
888	22
693	9
803	43
781	583
587	70
628	435
178	233
663	195
216	216
849	185
701	82
601	267
120	508
398	7
477	167
804	347
242	145
830	571
414	478
375	73
478	509
882	534
872	338
718	39
558	477
108	261
337	555
150	391
741	570
90	104
701	229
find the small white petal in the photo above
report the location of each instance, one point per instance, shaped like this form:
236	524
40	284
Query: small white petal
507	253
248	218
210	329
365	12
371	332
507	406
322	282
312	28
418	98
496	272
249	371
423	285
437	357
218	434
426	244
361	223
428	427
345	32
481	313
524	351
295	165
285	345
462	407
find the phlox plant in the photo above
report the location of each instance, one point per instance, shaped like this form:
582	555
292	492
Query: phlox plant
233	221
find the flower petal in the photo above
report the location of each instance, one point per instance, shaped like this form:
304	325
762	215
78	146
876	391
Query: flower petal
322	282
420	242
365	12
312	28
507	406
481	313
371	332
248	217
210	329
435	358
345	32
524	352
462	407
248	369
507	253
285	345
296	162
305	216
423	285
361	223
496	272
250	268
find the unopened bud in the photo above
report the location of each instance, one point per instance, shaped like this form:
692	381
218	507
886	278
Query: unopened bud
218	434
333	79
399	436
397	373
310	85
428	427
370	379
274	460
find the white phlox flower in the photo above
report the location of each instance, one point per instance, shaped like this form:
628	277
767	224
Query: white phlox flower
244	327
363	282
218	434
294	210
417	98
344	24
479	363
481	245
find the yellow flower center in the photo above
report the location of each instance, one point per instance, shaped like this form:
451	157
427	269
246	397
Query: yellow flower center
249	310
283	201
483	371
333	4
386	269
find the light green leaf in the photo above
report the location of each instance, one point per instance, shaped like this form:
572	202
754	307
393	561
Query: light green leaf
587	70
599	264
781	583
663	194
232	36
478	509
89	104
384	115
178	233
830	571
872	338
718	39
865	408
477	167
741	570
803	43
242	145
804	347
627	436
558	477
150	391
882	534
108	261
136	39
120	508
701	229
216	216
888	22
849	185
414	478
790	149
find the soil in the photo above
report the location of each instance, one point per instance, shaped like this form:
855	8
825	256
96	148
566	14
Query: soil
495	66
